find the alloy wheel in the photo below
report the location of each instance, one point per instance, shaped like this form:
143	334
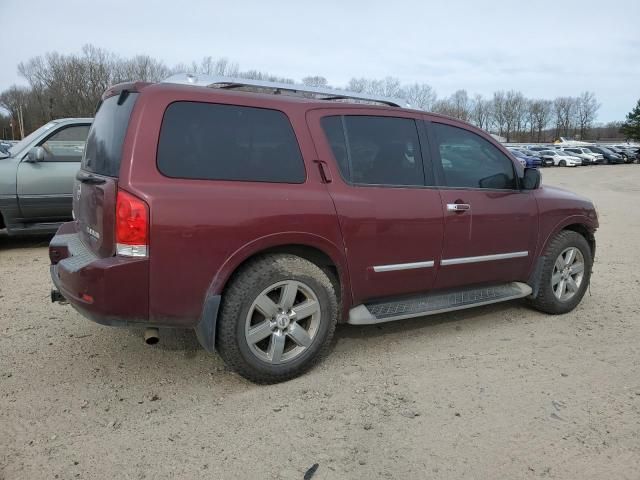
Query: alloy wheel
568	273
282	322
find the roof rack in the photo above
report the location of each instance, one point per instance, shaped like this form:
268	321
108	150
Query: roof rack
279	87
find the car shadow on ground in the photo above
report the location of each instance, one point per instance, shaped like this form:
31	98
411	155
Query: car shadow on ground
179	358
23	241
185	340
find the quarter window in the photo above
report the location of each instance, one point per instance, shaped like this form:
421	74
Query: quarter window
228	142
372	150
470	161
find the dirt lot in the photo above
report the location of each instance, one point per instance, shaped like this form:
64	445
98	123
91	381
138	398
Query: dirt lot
495	392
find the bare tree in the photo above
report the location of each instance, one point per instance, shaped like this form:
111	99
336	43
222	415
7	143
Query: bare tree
387	87
541	115
481	112
498	109
513	113
564	110
315	81
444	106
71	85
461	105
586	109
419	95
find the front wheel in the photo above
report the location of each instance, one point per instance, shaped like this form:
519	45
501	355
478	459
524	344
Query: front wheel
565	274
277	319
562	163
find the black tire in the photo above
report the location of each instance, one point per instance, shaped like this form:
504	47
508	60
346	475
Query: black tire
562	163
246	285
546	301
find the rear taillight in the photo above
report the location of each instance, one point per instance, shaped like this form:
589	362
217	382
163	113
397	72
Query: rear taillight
132	226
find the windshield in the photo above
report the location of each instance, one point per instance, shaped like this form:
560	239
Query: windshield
29	138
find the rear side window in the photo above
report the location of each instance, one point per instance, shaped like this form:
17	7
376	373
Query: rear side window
470	161
228	142
372	150
103	151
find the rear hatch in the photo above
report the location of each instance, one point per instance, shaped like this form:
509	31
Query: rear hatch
96	185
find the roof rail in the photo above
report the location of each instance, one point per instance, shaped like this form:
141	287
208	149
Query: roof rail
279	87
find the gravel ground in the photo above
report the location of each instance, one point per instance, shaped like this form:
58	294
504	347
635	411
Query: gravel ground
494	392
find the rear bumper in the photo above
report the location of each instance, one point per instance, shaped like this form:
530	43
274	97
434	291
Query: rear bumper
110	291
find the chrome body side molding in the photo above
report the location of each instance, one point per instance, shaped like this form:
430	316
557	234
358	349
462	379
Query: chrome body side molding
483	258
403	266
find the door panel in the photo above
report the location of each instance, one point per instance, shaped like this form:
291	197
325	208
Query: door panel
490	226
392	234
498	224
45	188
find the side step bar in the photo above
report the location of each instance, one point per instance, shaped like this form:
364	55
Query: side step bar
434	303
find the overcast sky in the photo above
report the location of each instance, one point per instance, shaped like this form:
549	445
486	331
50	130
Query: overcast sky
543	48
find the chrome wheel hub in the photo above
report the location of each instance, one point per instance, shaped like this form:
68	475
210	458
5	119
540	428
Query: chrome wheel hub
568	274
282	321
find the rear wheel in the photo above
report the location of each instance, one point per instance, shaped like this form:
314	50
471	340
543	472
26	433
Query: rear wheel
277	319
565	275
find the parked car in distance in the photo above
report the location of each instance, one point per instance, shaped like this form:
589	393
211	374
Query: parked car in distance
262	220
530	161
586	158
595	158
629	154
619	152
539	148
37	175
557	158
609	156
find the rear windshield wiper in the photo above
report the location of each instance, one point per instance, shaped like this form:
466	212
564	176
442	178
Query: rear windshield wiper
86	177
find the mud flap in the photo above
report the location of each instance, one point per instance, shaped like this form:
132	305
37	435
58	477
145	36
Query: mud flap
206	328
535	278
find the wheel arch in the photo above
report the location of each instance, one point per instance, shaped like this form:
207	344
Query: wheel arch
318	250
580	224
583	230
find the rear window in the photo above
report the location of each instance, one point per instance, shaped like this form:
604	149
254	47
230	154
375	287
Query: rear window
226	142
103	151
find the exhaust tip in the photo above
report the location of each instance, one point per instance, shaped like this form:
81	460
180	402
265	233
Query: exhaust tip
151	336
57	297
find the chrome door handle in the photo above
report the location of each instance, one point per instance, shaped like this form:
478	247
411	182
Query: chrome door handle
458	207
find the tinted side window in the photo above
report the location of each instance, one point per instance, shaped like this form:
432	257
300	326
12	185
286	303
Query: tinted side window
228	142
334	130
373	150
470	161
66	145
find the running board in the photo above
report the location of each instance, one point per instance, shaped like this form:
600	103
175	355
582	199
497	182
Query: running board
434	303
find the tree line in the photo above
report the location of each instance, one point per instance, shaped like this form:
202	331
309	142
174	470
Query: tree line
71	85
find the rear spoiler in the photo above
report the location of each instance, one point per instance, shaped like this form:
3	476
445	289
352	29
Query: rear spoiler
128	86
122	89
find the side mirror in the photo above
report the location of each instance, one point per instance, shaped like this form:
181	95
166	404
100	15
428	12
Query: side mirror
531	179
36	154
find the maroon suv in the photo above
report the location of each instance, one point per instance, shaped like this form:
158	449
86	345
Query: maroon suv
262	220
